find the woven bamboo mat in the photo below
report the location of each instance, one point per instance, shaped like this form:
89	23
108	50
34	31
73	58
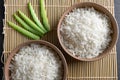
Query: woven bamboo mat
104	69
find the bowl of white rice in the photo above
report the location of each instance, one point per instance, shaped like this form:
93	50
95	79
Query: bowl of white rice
36	60
87	31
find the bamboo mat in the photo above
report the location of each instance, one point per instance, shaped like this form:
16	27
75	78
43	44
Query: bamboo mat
104	69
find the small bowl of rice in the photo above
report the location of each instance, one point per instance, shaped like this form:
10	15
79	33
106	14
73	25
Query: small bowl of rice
87	31
36	60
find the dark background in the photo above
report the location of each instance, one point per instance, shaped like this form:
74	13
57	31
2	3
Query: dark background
1	35
117	15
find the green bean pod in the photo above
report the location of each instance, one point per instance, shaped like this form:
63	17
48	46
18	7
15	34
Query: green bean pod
26	26
43	15
23	31
30	22
35	18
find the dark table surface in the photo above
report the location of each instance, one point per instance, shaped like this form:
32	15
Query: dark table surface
1	35
117	15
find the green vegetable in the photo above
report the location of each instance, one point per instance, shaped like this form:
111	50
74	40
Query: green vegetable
44	15
30	22
23	31
35	18
27	27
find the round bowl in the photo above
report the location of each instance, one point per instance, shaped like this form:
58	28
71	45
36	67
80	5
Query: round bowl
100	9
14	51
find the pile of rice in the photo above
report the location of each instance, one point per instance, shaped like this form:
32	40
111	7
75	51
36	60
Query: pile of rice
36	62
85	32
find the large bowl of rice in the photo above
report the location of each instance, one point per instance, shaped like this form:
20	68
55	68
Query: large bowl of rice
87	31
36	60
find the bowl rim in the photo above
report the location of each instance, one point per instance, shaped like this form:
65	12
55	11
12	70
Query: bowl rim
42	42
94	5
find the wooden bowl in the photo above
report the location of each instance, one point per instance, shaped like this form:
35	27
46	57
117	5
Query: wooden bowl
7	72
100	9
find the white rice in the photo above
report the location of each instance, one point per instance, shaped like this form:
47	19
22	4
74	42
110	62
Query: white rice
85	32
36	62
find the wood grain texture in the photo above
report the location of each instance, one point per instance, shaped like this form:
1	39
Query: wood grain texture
104	69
